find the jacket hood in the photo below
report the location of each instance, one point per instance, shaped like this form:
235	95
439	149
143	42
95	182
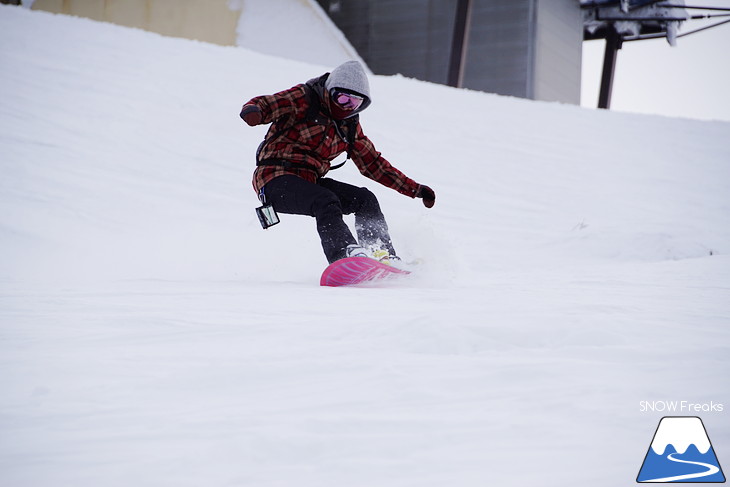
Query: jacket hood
350	76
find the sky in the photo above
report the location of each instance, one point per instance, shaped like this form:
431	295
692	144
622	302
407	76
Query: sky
690	80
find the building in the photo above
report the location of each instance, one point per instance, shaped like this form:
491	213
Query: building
526	48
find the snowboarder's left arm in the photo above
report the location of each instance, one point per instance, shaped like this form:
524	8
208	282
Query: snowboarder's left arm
374	166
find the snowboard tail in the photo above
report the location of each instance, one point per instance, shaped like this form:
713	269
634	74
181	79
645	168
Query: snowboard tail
356	270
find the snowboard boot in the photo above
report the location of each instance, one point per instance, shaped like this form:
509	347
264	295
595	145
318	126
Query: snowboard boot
385	257
354	250
381	255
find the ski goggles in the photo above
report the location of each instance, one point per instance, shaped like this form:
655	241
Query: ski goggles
347	100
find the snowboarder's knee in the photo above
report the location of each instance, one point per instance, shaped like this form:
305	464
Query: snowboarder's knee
326	204
367	201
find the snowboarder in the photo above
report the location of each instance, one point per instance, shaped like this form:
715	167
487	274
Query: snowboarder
312	124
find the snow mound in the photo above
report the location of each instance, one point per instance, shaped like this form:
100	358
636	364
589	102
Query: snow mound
301	31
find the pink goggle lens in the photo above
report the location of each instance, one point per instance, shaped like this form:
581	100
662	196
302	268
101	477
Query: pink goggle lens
347	100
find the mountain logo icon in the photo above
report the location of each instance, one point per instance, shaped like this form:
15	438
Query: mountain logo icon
680	452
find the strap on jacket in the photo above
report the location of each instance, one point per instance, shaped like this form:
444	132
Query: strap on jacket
285	164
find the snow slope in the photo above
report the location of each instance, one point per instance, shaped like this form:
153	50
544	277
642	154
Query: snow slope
317	40
151	334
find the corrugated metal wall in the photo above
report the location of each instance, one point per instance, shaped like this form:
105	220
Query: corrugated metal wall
411	37
498	54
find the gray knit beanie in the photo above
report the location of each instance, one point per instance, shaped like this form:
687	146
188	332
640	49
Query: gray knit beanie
349	76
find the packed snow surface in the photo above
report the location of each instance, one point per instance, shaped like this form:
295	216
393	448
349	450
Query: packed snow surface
151	334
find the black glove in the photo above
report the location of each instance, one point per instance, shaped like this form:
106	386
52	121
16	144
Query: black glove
429	197
251	114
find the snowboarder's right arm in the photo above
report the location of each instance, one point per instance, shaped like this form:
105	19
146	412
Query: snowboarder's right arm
251	114
267	108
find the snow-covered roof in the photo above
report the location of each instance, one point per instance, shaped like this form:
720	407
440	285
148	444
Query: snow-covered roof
631	3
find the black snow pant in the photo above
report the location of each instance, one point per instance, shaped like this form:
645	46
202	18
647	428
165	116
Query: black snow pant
327	200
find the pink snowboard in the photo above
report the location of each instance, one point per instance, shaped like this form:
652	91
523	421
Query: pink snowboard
354	270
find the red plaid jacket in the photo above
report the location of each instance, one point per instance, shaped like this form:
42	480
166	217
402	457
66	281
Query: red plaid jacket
315	143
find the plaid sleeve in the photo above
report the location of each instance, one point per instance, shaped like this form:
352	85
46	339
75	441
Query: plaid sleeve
374	166
280	104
